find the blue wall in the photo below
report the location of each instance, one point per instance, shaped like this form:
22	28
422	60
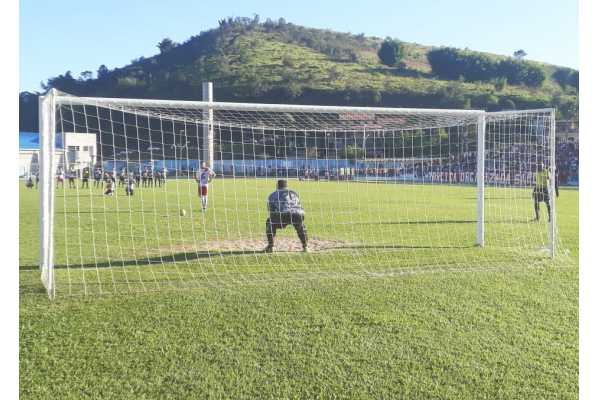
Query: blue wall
31	141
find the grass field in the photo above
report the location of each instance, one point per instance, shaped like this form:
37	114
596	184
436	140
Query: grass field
394	301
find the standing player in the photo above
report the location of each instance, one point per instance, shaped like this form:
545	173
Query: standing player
130	185
97	177
163	176
205	175
157	178
71	177
85	178
138	176
60	178
122	177
148	173
540	191
285	209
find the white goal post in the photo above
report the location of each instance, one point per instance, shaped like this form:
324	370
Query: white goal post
419	167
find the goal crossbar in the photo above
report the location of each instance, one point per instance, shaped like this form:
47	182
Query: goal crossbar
62	99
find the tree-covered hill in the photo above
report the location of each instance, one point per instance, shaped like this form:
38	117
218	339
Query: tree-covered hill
279	62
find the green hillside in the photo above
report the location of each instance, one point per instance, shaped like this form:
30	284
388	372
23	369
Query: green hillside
279	62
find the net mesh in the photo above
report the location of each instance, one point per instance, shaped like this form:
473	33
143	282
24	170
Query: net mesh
384	192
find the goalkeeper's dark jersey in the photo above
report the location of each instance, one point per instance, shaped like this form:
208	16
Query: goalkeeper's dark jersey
285	202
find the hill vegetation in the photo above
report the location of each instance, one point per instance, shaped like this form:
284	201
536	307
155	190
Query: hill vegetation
280	62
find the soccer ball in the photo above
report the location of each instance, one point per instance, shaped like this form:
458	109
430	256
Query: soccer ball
182	212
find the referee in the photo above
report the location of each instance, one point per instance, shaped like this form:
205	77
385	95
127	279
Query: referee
285	209
540	191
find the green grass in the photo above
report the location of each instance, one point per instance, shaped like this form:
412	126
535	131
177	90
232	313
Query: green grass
404	307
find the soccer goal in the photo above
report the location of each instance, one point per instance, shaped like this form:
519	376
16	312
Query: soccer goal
154	194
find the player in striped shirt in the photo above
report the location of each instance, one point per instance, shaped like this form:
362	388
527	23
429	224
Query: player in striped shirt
205	175
60	178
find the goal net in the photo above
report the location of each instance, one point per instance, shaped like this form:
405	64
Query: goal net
382	191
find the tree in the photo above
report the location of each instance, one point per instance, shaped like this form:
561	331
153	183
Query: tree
446	63
566	107
28	112
574	79
534	76
391	52
500	84
85	75
166	45
450	63
521	72
64	82
566	77
287	61
102	71
520	54
292	90
561	76
507	104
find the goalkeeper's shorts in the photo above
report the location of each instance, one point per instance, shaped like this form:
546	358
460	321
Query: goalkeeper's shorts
541	194
282	220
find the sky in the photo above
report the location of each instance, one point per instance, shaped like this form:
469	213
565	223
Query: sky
61	35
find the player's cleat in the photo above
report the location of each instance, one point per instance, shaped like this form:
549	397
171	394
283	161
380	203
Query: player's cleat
305	249
268	249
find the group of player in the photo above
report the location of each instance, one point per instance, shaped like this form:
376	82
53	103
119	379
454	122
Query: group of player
110	179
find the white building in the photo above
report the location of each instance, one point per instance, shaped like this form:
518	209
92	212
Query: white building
79	151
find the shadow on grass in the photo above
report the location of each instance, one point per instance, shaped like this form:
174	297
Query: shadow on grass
32	289
502	198
81	194
127	211
447	221
416	222
202	255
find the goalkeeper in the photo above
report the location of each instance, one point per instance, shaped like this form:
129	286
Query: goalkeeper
540	191
285	209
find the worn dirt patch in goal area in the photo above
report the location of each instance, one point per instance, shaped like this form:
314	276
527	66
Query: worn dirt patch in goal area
256	245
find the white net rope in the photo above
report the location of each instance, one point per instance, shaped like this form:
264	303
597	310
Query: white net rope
383	192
